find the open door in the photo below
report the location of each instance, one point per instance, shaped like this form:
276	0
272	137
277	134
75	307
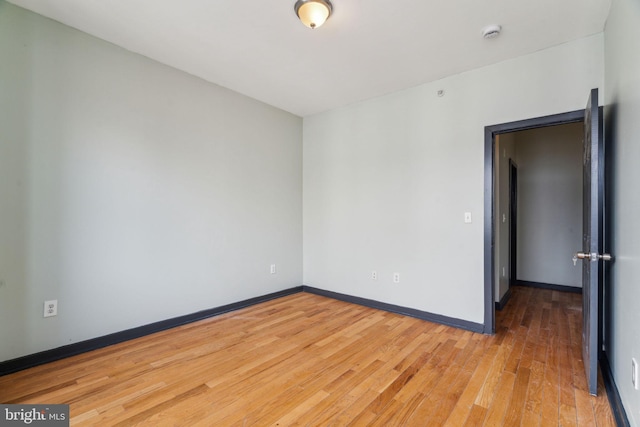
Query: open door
592	225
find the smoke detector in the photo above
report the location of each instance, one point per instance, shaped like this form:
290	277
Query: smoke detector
491	32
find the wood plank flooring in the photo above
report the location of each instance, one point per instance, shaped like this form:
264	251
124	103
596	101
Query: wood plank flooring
306	360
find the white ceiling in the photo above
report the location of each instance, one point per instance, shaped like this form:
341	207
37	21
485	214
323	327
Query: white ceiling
367	48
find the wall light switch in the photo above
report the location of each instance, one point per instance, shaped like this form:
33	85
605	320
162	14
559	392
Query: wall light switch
467	217
273	269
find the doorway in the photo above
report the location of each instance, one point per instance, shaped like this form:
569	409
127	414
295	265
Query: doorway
539	170
491	132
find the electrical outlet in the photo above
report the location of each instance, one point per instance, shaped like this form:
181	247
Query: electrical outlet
273	269
50	308
396	277
634	374
374	275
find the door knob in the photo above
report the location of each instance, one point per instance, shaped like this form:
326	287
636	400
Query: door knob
591	256
582	255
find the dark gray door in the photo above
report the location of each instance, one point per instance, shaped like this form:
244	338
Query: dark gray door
593	177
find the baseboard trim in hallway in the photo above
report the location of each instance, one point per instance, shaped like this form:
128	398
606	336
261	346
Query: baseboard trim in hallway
561	288
504	300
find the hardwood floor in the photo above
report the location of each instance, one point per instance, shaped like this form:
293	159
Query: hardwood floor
313	361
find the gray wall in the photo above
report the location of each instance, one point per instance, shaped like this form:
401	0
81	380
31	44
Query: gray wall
550	204
622	123
387	181
505	146
130	191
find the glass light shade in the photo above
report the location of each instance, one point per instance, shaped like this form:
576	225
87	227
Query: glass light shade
313	13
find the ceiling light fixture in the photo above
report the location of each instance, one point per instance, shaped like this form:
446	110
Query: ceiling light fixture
313	13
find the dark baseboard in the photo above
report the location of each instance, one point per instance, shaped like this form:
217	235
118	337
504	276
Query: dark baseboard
561	288
47	356
412	312
504	300
615	402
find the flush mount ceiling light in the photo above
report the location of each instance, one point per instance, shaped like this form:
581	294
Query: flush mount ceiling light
491	32
313	13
